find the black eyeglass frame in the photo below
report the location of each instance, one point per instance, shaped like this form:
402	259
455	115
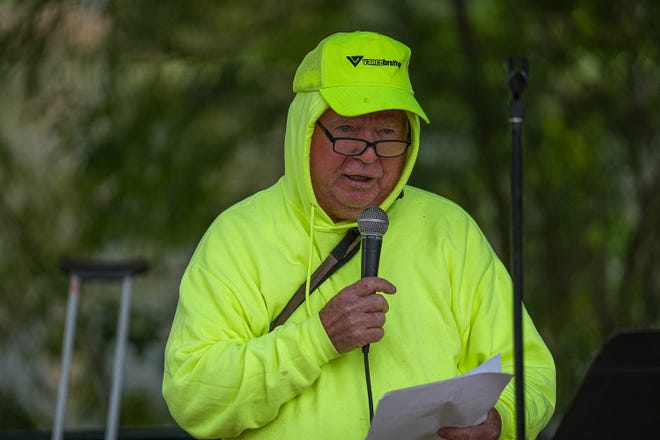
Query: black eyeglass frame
367	143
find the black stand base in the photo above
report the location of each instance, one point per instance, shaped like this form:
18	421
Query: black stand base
620	395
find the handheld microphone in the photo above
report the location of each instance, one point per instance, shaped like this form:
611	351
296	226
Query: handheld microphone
372	224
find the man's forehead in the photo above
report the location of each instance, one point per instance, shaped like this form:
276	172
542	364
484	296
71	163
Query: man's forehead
383	115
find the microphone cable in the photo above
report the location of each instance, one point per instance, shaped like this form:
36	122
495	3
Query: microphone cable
367	374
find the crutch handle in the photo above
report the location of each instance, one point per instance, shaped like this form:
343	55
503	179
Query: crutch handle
102	269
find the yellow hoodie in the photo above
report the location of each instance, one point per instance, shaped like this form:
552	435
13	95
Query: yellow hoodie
227	376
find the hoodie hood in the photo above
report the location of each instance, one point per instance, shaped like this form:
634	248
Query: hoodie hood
304	111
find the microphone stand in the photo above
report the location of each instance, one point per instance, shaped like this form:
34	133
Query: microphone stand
517	80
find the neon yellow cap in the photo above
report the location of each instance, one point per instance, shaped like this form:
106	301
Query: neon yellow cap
359	73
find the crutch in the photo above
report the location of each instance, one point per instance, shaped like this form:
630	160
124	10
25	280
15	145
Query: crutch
84	269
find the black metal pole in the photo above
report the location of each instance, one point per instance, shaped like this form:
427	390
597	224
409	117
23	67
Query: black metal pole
517	80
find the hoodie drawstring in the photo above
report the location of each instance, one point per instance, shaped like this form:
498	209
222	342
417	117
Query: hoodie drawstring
308	280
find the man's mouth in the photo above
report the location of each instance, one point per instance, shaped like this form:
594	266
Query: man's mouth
358	178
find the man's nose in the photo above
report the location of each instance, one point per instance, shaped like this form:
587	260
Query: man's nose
369	154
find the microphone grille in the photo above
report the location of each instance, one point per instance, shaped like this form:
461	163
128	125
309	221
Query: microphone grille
373	221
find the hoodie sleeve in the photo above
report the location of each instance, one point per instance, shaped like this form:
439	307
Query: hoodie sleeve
222	378
485	301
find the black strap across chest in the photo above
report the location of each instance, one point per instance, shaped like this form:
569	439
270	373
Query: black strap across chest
344	251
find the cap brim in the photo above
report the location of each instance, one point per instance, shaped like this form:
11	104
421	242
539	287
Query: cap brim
358	100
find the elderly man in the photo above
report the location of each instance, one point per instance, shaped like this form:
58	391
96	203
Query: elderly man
352	138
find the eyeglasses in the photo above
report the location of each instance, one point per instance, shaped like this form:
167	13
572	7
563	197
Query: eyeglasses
355	147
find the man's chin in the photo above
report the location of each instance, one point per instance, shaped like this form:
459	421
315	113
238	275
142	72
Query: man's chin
348	206
351	212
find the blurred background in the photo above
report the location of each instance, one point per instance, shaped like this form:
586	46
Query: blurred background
126	126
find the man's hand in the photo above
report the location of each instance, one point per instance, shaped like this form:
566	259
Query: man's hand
489	430
355	316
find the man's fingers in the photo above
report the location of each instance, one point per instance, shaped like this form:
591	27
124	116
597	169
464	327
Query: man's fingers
374	303
356	315
369	285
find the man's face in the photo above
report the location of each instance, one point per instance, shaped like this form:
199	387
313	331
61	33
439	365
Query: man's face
345	185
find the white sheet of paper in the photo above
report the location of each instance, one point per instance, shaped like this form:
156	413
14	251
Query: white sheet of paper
416	413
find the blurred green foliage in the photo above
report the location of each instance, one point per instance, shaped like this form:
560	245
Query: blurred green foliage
126	126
